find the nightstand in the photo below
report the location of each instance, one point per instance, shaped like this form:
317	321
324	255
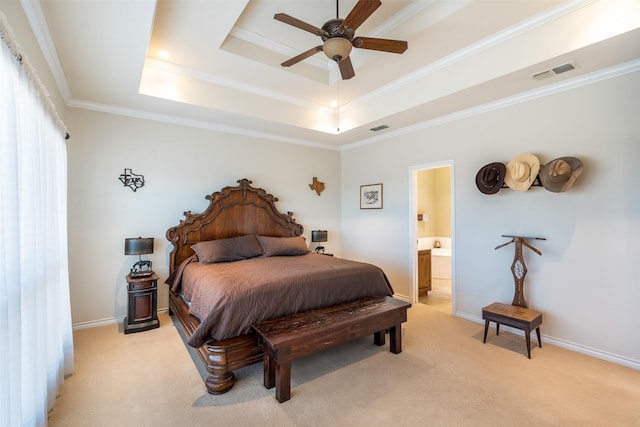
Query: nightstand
143	304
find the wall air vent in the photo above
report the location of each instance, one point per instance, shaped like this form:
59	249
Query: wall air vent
377	128
551	72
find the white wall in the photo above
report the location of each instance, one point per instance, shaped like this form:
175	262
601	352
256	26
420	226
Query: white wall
180	166
586	282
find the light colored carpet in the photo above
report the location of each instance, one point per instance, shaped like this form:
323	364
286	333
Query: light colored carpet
439	297
445	376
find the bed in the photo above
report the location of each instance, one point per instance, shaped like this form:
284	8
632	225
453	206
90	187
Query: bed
216	318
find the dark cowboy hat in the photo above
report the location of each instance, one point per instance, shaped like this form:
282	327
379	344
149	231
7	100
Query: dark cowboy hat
490	178
559	175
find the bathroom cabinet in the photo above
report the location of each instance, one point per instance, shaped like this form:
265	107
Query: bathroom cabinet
424	271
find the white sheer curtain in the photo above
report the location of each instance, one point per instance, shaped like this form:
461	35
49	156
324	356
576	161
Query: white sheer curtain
36	343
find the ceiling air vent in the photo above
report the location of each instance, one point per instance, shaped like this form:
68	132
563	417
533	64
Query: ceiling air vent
564	68
555	71
543	75
377	128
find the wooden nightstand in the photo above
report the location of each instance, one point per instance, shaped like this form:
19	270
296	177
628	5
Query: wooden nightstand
143	304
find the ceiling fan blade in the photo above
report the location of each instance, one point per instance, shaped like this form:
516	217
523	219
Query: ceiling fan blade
360	12
302	56
384	45
283	17
346	68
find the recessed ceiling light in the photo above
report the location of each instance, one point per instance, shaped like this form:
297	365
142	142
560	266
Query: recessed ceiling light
164	54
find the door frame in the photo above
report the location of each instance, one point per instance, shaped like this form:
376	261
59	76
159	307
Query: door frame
413	226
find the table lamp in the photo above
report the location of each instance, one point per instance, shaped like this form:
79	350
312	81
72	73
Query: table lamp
139	246
319	236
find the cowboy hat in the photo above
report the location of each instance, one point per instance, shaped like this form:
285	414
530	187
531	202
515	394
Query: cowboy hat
559	175
522	171
490	178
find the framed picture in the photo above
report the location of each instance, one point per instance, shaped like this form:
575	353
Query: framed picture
371	196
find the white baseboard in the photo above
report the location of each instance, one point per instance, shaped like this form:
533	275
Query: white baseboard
108	321
578	348
402	297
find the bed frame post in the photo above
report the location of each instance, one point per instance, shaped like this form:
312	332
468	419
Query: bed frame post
220	358
221	381
223	357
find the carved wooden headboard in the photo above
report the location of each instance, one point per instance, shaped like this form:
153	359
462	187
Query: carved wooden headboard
232	211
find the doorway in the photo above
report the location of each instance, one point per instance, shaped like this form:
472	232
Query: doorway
432	219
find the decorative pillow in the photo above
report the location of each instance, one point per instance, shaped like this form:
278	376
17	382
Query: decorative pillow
283	246
231	249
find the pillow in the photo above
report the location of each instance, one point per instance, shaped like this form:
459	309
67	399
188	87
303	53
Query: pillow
283	246
231	249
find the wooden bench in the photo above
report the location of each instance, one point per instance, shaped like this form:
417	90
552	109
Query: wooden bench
515	316
291	337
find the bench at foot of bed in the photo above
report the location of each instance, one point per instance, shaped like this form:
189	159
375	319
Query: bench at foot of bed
292	337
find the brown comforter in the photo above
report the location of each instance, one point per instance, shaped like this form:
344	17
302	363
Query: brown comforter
228	297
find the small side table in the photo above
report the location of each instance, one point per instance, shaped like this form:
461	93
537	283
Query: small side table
142	313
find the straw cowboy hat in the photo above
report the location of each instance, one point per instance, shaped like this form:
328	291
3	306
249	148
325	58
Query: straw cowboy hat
490	178
522	171
559	175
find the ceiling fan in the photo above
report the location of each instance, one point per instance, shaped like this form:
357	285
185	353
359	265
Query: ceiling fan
338	37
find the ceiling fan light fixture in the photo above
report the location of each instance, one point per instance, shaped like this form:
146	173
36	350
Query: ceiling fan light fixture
337	48
338	37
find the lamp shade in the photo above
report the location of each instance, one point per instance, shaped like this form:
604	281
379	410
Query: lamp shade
138	246
319	235
337	48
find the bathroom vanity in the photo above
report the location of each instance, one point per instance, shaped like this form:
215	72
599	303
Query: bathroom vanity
424	271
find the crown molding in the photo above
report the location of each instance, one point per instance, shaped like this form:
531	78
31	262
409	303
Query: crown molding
229	83
269	44
591	78
587	79
200	124
37	21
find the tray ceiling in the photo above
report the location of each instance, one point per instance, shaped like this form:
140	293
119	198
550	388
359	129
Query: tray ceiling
224	69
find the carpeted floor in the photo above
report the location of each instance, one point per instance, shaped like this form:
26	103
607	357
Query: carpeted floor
445	376
439	297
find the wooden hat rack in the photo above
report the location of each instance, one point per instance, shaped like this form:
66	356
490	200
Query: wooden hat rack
518	267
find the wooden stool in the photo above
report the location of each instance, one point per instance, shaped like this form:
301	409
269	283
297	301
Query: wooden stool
512	315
